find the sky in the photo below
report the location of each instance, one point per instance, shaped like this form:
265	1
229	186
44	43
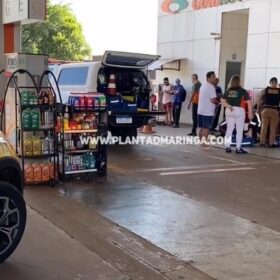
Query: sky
124	25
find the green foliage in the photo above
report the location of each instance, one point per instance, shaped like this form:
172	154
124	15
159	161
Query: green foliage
60	36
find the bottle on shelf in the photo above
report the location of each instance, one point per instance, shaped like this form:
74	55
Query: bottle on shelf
41	98
35	119
28	147
45	146
51	97
59	124
50	141
37	146
46	98
66	119
91	161
26	119
25	97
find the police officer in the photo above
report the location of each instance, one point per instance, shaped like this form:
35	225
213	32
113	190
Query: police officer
269	101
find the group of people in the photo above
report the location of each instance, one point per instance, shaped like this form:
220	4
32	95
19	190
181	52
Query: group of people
207	100
172	99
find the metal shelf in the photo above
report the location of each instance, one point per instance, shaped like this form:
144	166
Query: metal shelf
81	171
101	110
40	182
79	151
37	129
80	131
37	106
38	156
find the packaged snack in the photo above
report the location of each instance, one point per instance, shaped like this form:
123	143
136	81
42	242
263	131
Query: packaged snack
37	171
35	119
28	173
45	172
26	119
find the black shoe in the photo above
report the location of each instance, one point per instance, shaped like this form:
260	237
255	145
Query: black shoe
262	145
240	151
228	150
192	134
273	146
176	126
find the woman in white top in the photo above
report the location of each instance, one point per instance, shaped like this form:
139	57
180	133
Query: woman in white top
167	90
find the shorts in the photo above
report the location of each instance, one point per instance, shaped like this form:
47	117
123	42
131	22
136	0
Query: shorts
205	121
167	107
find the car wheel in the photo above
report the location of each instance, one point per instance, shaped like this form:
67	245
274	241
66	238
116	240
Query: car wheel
12	219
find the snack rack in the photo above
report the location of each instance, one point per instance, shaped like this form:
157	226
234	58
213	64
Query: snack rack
84	119
33	120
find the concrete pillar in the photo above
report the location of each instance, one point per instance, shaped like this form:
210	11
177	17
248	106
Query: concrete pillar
17	38
16	47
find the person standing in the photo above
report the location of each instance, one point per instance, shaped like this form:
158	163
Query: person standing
178	98
219	94
206	107
269	115
167	90
194	102
235	113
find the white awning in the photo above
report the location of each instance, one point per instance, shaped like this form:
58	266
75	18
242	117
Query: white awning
166	64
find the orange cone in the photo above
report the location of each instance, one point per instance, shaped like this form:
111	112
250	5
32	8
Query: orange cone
112	89
147	129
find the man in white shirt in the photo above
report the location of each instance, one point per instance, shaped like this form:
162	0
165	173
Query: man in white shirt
206	107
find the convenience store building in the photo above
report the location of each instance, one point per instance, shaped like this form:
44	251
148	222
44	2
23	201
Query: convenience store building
227	36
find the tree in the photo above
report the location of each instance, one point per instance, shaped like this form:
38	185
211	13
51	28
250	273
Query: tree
60	36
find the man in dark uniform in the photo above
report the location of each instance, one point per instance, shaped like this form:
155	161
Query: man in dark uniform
269	100
178	98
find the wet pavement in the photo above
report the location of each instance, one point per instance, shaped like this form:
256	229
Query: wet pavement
165	212
220	212
47	253
218	243
63	233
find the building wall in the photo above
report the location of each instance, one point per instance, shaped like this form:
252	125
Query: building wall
187	35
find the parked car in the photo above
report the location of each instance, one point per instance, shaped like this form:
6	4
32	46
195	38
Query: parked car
12	205
132	86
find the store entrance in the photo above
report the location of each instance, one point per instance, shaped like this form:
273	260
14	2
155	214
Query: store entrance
233	45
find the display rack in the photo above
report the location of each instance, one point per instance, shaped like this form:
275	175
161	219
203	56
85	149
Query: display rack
36	140
33	119
78	123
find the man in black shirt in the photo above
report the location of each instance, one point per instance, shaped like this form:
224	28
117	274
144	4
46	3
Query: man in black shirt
270	100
